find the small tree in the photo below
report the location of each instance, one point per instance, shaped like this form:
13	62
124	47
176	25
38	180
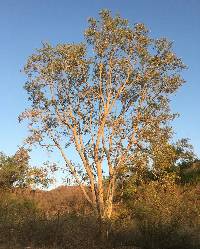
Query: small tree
168	162
107	98
15	172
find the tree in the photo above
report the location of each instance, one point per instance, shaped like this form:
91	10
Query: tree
15	172
168	162
107	98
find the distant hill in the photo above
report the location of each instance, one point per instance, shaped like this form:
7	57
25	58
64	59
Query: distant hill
61	199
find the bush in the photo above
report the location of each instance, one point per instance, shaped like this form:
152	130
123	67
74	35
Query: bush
165	216
15	211
24	224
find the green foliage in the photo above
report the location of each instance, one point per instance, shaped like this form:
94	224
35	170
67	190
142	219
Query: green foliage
176	161
14	209
15	172
190	172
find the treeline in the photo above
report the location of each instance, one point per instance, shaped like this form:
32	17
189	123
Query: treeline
152	210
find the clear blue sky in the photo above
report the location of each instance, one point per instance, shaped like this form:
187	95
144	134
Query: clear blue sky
24	24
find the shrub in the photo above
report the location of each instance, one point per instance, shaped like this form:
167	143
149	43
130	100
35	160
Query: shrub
166	216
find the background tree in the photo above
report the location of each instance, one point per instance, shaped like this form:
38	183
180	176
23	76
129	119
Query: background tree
107	98
167	161
15	172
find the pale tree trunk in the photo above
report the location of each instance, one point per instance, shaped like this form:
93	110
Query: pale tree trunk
105	209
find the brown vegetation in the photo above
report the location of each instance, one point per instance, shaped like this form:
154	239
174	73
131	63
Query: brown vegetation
159	214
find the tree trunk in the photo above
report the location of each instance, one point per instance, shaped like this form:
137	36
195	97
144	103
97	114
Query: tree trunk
103	229
104	222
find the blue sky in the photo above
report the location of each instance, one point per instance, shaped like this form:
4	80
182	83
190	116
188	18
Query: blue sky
24	24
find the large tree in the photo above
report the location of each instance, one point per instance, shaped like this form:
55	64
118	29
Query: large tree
107	98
